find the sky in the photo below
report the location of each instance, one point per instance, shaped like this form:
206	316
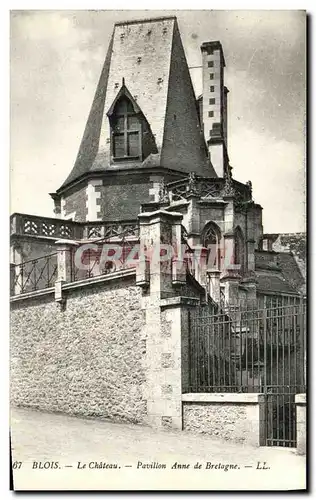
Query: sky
56	60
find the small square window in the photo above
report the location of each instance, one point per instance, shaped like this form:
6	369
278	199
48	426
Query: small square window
211	76
210	64
212	101
212	88
211	114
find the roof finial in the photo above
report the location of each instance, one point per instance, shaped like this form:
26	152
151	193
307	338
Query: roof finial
123	81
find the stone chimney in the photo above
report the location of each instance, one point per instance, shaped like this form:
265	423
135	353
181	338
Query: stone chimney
215	105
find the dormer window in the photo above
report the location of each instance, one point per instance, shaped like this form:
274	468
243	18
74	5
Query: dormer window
126	131
131	135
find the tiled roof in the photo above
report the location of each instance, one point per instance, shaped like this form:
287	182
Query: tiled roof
291	270
149	56
278	271
291	242
269	281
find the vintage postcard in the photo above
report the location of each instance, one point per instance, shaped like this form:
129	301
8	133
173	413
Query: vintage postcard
158	250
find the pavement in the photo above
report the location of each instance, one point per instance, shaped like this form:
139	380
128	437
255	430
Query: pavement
53	452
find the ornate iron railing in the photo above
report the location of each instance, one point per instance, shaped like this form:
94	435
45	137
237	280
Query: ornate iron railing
249	337
35	274
111	229
116	251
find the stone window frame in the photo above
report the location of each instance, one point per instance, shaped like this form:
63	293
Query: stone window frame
211	235
126	112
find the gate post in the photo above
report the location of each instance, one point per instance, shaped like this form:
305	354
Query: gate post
166	319
300	403
214	284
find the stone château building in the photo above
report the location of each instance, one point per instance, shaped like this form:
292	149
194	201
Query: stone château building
149	144
151	152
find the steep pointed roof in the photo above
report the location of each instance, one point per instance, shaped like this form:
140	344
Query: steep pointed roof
149	56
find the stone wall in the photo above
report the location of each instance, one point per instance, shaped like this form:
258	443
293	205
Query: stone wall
300	401
233	417
74	203
85	359
121	197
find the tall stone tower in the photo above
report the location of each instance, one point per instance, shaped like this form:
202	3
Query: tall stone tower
214	105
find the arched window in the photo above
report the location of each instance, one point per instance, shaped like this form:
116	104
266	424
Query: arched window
211	240
239	252
126	131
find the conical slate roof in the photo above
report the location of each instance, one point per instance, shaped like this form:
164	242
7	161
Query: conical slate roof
146	56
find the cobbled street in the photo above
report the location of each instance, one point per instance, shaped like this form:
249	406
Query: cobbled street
42	438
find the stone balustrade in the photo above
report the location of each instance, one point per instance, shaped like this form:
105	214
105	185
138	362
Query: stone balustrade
48	227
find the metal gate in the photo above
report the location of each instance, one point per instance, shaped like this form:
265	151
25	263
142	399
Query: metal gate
260	350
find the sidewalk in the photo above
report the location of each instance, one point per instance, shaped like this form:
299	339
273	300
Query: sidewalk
143	457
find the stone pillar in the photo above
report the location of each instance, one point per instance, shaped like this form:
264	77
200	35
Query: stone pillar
300	402
65	250
230	276
250	238
250	285
142	271
178	263
250	255
12	279
231	281
160	243
229	236
193	217
229	212
167	359
166	321
16	270
199	264
229	250
214	284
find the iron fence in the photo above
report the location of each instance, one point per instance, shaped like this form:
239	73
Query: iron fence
35	274
245	350
104	256
256	350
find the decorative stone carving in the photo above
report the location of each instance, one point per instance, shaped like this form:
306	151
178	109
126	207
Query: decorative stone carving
192	184
94	232
163	193
228	188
